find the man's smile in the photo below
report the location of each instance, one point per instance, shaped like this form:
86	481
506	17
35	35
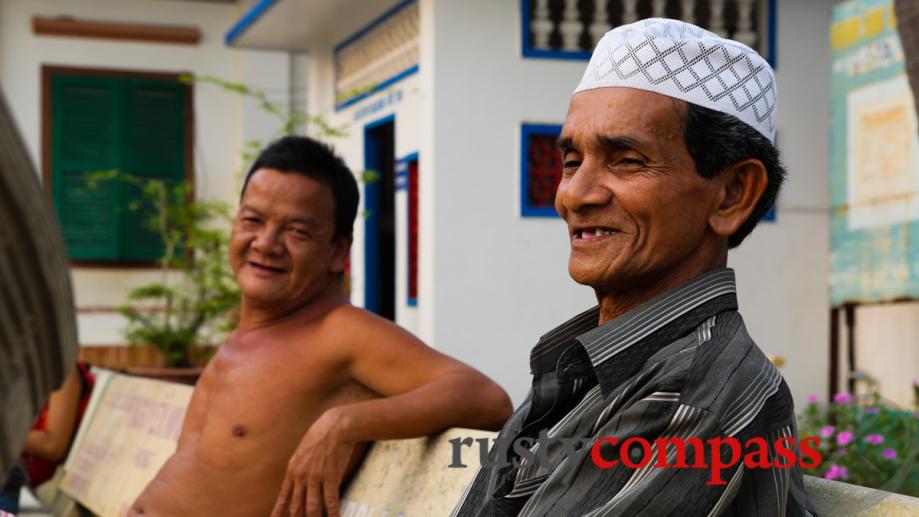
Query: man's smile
591	234
265	269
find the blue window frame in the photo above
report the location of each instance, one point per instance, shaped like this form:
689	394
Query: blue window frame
540	169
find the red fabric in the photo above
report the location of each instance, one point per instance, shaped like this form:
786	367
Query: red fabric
41	469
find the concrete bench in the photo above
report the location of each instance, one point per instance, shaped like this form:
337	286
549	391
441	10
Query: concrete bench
131	426
835	498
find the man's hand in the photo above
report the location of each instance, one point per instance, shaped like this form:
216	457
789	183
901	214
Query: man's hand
316	469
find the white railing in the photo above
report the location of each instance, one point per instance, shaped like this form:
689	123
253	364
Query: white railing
563	28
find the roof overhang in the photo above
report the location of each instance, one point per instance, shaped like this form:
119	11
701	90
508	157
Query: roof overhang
301	25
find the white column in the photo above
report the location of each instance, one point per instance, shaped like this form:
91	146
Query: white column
658	7
745	15
600	24
541	25
629	11
571	26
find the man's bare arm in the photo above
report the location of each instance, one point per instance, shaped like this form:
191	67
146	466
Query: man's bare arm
423	392
54	440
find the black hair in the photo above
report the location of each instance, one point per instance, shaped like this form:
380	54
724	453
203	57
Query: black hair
716	141
316	160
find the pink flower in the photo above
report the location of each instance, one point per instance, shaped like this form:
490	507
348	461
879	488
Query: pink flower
827	431
844	437
837	472
812	399
874	439
842	398
889	454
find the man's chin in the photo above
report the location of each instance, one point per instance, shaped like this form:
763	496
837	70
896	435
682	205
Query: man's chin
260	293
586	277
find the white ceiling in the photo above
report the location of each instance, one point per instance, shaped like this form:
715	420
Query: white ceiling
305	24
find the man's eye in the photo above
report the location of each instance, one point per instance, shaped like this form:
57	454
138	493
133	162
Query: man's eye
299	232
569	166
631	162
250	220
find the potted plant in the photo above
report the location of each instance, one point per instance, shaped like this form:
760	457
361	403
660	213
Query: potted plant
186	310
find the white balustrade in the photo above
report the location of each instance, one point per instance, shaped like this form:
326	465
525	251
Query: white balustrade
716	17
541	25
629	11
688	11
571	26
600	24
745	32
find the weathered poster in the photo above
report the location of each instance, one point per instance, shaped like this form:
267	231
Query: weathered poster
874	159
132	431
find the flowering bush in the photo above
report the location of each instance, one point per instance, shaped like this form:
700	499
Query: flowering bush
865	442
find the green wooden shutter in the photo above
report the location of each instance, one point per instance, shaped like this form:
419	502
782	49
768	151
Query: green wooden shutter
153	148
85	131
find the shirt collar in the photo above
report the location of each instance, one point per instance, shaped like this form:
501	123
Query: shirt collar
621	332
685	306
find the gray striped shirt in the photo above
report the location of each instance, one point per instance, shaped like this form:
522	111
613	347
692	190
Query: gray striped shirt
681	365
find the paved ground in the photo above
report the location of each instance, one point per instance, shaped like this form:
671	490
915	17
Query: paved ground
29	505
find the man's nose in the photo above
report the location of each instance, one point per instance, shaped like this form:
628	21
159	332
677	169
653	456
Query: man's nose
268	241
583	190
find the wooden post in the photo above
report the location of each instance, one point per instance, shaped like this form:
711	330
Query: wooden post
834	353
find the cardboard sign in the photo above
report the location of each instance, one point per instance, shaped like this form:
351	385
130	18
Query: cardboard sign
132	431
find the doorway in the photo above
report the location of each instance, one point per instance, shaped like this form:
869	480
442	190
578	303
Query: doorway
380	217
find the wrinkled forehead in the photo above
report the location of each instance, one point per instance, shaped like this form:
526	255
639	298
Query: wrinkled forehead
287	194
614	111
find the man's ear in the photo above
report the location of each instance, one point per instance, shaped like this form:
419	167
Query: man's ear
341	250
742	186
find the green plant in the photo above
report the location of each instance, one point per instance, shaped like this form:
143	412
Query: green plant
865	441
196	291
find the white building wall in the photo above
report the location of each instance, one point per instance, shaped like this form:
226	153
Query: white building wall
783	268
222	120
886	337
501	281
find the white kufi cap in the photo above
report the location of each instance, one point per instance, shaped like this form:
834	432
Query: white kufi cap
680	60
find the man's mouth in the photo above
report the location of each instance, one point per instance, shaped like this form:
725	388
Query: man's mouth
591	234
265	268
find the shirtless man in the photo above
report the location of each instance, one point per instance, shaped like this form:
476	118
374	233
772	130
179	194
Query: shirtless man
279	415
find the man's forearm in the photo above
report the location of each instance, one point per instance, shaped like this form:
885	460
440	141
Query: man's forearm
455	399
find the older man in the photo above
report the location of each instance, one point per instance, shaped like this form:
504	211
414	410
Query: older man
669	161
306	378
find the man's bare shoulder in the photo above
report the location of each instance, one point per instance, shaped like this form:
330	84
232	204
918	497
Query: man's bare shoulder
347	314
358	327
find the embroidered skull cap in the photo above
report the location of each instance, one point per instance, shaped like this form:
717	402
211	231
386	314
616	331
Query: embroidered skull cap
686	62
